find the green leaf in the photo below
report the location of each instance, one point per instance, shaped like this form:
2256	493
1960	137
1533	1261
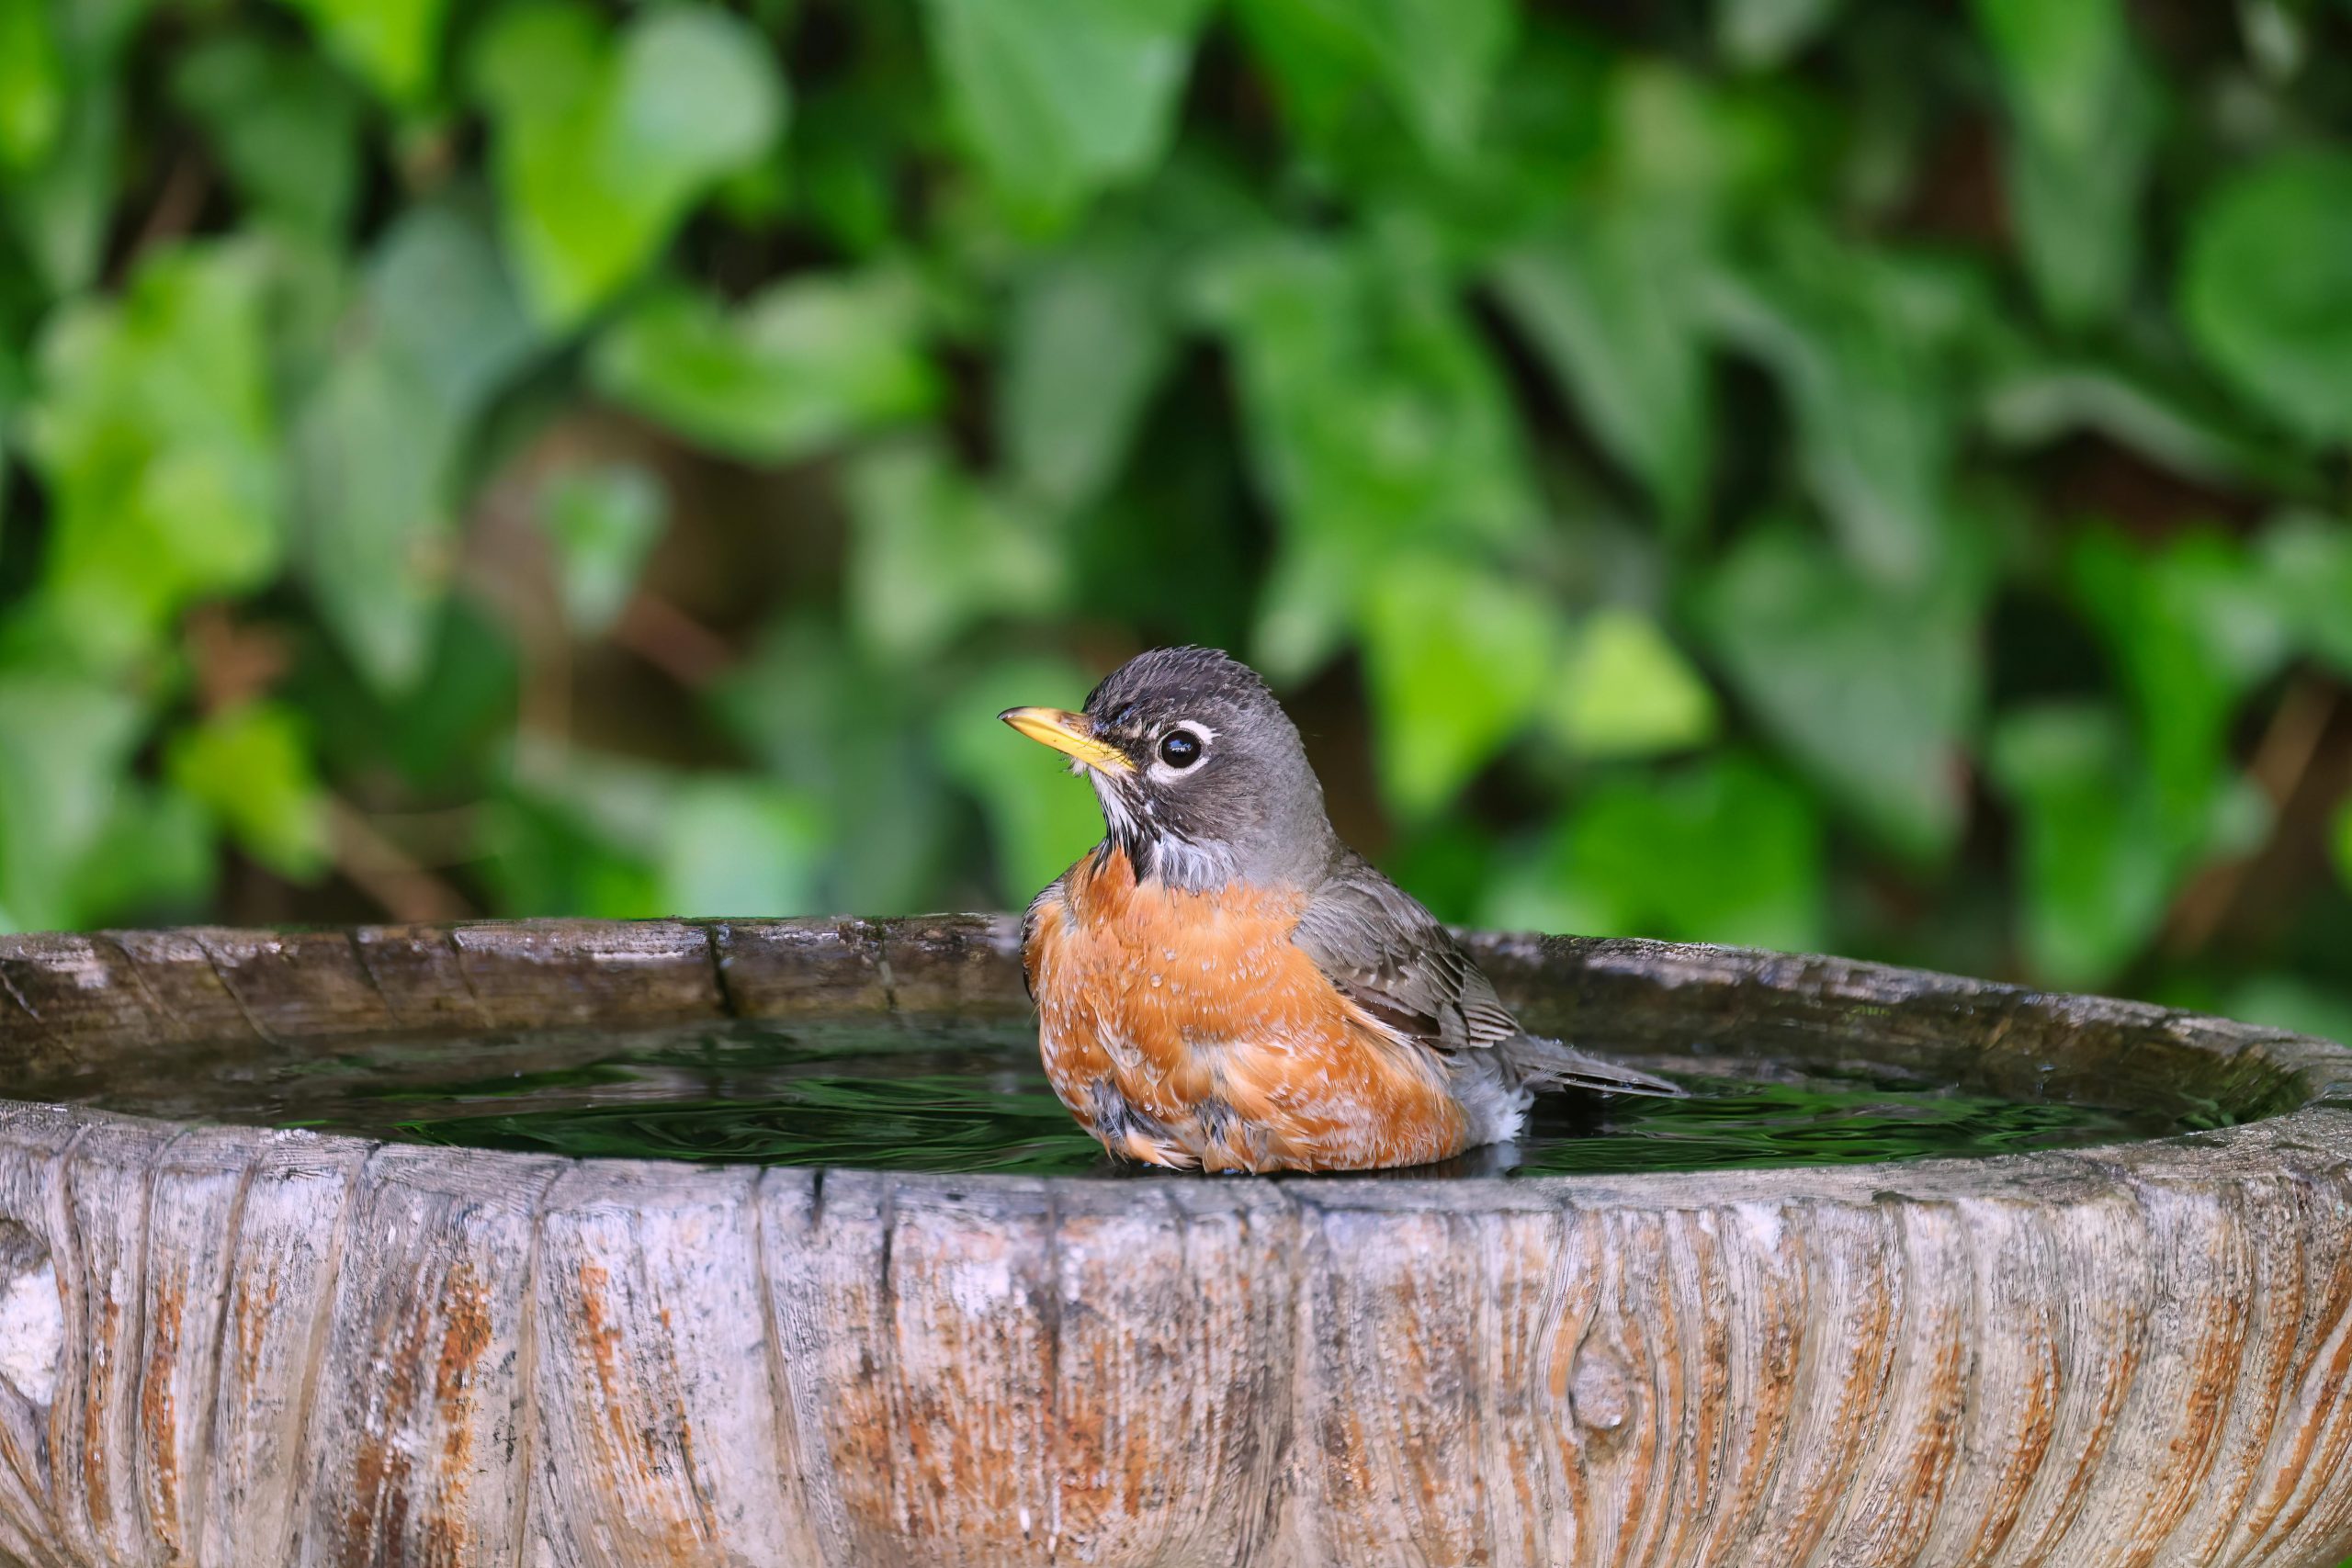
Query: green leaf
437	331
603	521
15	386
1875	692
1855	338
623	802
1763	35
2194	627
2104	846
1376	423
2306	564
2034	405
805	366
1039	819
541	858
285	125
251	768
1457	657
2095	873
2078	210
2266	288
1611	304
2344	842
441	299
602	145
395	45
62	207
1087	339
852	735
1434	60
2288	1001
64	748
1626	691
378	546
931	553
2083	123
740	847
1725	851
1713	150
2061	62
622	837
440	738
153	431
1062	98
156	860
32	84
62	84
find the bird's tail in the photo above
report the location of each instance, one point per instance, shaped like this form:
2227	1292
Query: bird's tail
1545	1064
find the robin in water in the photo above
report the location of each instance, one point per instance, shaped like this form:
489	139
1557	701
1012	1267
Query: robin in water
1222	984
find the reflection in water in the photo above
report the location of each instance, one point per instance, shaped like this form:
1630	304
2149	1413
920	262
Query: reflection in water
906	1097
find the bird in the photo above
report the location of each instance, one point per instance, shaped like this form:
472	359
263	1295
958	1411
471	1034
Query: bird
1222	985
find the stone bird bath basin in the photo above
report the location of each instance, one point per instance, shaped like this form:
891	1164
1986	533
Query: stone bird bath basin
229	1345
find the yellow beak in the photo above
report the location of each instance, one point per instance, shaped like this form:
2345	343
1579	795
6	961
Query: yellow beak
1072	733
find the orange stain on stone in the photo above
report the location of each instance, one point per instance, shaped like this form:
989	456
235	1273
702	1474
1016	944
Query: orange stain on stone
156	1409
382	1470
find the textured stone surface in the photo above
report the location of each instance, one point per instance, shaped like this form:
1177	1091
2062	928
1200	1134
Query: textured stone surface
241	1347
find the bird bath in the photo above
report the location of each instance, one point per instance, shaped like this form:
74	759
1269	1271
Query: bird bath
233	1345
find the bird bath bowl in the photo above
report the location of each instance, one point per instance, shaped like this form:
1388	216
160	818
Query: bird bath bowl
233	1345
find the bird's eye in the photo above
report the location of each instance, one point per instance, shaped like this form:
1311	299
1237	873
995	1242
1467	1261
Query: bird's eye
1180	747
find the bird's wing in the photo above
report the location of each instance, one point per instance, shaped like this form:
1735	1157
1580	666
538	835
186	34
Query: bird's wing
1394	960
1392	957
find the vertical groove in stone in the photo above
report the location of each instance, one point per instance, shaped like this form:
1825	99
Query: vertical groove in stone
2102	1288
411	1461
191	1244
2262	1211
1901	1476
526	1459
199	1491
2013	1384
1758	1278
1303	1498
251	1511
91	1451
2305	1506
1840	1403
34	1144
792	1462
2171	1428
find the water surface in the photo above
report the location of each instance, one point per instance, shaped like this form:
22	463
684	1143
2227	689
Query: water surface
909	1096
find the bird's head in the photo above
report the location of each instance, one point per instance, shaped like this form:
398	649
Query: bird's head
1201	775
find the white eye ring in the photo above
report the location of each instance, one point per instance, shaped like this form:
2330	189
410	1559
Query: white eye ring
1164	771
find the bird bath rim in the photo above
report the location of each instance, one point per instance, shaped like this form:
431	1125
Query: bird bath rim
271	1346
65	996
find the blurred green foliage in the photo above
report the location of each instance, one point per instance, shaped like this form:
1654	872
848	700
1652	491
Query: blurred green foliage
1823	473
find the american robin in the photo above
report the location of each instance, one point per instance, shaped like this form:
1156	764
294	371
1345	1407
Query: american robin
1222	983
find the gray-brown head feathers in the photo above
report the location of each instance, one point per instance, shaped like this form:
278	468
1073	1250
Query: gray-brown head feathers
1219	786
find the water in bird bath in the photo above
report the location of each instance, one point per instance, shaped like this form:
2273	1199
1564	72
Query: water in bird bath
908	1095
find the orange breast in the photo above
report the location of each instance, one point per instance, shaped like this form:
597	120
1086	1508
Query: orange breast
1187	1029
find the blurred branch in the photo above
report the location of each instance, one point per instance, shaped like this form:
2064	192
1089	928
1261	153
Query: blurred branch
177	207
671	641
388	874
233	663
444	837
2281	761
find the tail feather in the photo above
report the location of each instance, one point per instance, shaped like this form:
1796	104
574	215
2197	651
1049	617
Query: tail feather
1544	1064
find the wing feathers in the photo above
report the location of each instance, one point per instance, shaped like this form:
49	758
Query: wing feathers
1393	958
